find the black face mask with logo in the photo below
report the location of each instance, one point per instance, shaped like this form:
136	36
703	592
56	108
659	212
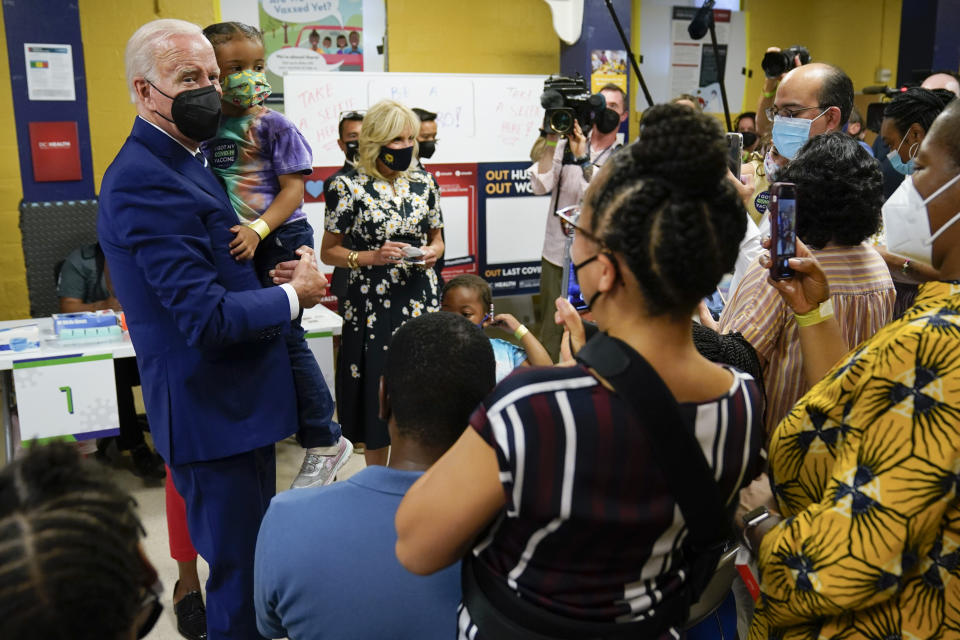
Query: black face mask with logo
353	148
196	112
396	159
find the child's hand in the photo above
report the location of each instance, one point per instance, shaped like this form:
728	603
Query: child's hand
244	245
506	321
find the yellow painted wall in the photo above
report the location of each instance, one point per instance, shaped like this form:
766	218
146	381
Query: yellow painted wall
13	275
457	36
106	25
856	35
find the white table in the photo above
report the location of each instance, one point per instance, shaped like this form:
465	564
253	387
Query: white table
69	390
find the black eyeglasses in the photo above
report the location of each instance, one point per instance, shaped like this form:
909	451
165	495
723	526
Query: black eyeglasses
570	223
353	115
772	112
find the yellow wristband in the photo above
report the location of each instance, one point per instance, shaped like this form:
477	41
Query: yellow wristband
769	95
551	143
261	227
818	315
520	332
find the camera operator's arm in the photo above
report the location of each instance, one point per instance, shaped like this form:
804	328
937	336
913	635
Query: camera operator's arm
764	126
543	175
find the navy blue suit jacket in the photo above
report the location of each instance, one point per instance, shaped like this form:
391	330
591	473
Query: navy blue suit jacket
214	368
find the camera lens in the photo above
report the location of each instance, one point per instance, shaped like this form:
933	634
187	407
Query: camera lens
561	121
774	63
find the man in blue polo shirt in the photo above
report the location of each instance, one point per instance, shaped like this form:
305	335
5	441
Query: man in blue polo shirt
439	367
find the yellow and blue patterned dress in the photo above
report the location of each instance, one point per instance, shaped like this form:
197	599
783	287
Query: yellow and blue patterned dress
865	469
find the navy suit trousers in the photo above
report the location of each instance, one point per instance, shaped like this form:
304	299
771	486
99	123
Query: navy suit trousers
226	500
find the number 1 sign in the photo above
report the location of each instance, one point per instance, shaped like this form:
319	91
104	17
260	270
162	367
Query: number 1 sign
69	396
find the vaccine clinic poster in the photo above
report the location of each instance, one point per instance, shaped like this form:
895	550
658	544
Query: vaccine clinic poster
311	35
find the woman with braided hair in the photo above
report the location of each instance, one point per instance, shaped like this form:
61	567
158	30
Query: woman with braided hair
555	486
906	120
71	566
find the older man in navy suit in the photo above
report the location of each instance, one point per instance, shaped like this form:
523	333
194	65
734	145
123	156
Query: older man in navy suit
217	383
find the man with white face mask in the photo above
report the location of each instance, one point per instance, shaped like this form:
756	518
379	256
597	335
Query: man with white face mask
865	463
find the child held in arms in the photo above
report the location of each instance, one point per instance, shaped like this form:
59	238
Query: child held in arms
261	158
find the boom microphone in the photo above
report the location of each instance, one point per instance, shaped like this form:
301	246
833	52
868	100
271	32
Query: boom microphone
700	24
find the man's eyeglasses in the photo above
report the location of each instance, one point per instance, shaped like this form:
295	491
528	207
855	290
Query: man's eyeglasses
570	223
772	112
352	115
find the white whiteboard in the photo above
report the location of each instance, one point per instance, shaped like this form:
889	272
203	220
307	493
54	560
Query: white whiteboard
480	118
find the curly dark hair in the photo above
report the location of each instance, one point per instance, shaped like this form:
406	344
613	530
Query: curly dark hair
917	105
839	191
70	564
667	208
226	31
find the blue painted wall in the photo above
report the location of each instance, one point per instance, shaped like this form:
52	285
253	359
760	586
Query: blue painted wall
598	32
929	39
47	22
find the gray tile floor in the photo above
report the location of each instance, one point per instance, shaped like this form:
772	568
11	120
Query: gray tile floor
151	501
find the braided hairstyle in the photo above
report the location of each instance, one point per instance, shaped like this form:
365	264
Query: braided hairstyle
70	566
222	32
917	105
667	208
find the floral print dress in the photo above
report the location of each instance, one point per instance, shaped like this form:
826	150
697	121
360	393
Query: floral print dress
379	298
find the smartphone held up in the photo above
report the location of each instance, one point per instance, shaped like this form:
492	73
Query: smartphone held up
783	229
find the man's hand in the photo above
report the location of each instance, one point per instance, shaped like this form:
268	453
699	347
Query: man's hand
577	141
244	245
756	494
307	280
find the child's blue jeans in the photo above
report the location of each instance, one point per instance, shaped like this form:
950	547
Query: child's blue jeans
314	402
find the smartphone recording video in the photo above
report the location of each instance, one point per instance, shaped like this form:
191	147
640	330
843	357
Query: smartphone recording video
783	229
735	153
574	296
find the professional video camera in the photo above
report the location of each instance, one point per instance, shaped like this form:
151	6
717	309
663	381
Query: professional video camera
776	63
568	100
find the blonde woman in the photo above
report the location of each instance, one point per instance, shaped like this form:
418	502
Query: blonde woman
387	210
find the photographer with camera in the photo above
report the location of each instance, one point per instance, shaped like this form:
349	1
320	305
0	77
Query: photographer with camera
776	64
565	159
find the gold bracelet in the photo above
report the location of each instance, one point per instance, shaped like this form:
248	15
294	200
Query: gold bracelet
353	259
260	227
816	316
520	332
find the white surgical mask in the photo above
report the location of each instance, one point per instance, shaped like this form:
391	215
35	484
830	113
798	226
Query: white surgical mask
907	224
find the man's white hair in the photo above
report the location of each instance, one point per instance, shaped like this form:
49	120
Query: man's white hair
144	45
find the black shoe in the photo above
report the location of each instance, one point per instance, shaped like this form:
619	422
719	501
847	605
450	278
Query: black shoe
191	615
147	464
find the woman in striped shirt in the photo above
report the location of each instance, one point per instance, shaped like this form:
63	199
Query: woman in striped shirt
554	486
839	194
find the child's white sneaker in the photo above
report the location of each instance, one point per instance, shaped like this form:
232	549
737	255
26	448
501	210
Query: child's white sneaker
321	464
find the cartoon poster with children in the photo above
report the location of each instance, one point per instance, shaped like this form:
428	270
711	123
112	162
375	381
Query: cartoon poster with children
311	35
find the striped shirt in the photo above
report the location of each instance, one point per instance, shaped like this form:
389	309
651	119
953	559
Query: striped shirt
590	529
863	298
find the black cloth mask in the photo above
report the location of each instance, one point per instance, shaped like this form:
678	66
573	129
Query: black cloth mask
428	148
196	112
396	159
608	121
353	147
749	137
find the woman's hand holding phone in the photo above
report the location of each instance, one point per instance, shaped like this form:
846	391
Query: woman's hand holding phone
808	287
